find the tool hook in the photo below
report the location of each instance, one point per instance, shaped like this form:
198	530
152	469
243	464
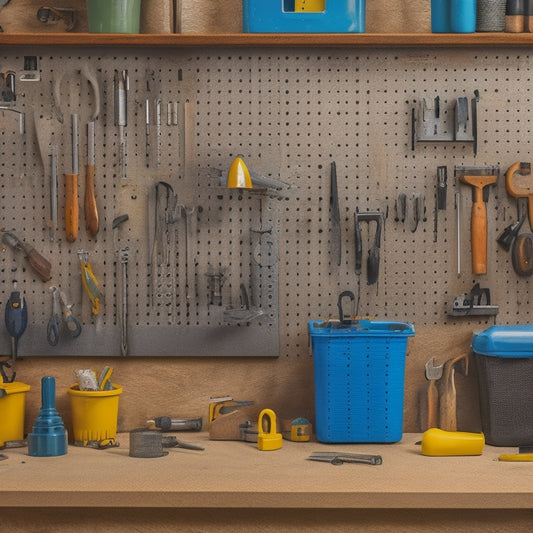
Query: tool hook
342	295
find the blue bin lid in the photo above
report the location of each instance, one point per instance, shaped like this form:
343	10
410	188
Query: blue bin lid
505	341
362	327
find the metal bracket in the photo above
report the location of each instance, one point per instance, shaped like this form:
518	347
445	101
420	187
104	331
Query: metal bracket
48	15
430	124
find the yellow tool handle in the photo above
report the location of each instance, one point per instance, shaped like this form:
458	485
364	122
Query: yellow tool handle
516	457
71	207
91	210
478	233
439	443
91	286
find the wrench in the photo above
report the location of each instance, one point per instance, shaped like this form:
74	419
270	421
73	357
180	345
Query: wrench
52	331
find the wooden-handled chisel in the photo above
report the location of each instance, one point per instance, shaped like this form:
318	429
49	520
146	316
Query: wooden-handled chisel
71	188
38	263
91	210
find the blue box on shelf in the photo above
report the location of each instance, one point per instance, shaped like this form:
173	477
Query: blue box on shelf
281	16
359	371
504	360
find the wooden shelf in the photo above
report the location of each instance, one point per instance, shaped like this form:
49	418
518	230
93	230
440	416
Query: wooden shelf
236	474
271	40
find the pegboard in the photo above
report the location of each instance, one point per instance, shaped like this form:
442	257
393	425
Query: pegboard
290	114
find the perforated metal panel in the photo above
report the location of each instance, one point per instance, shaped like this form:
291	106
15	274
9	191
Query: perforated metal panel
289	114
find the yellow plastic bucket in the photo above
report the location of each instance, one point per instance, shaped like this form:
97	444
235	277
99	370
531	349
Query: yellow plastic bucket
94	415
12	408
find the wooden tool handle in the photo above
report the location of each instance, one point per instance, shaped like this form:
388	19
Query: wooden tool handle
479	234
71	207
448	393
40	265
91	210
433	403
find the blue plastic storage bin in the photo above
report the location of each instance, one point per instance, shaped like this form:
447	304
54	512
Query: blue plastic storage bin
359	380
278	16
504	360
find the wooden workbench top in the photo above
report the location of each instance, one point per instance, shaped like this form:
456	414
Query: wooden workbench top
237	475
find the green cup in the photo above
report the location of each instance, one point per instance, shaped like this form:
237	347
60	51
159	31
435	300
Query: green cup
114	16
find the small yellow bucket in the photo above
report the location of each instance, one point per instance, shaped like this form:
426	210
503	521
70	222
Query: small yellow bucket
12	408
94	416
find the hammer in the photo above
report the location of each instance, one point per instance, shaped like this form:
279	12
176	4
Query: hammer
432	374
478	178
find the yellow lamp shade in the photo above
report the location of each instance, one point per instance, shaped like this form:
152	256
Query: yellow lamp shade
239	175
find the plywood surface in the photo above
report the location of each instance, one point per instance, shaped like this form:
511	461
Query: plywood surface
237	474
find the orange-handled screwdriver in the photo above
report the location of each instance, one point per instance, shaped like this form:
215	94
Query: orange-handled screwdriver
91	210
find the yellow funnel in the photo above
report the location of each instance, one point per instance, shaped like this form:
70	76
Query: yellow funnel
239	175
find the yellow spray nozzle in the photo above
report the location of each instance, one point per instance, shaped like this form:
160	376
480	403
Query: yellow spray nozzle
239	175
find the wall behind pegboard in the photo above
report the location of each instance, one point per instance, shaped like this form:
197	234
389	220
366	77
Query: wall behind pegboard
290	114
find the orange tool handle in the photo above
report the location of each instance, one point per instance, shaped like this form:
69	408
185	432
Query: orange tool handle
91	211
71	207
517	192
478	233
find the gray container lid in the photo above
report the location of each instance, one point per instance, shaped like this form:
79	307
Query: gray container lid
505	341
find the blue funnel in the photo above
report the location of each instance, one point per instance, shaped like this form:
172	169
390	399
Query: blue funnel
48	437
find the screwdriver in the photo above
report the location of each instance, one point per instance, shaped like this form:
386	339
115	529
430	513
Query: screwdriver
71	188
121	115
16	319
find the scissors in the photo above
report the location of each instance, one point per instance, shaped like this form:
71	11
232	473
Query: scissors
72	323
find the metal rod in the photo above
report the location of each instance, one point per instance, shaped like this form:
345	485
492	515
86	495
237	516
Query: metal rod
458	207
75	157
